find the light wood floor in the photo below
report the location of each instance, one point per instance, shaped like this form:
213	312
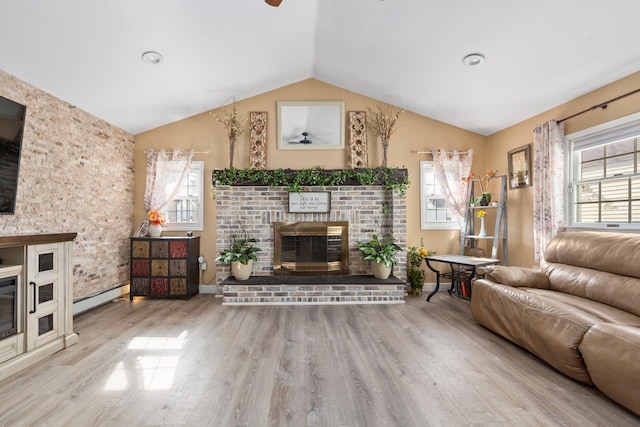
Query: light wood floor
197	363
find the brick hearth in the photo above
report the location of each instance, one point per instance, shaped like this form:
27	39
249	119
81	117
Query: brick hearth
286	290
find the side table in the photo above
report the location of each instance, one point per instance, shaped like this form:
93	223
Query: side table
457	273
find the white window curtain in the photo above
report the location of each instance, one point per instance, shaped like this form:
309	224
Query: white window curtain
451	167
548	184
160	165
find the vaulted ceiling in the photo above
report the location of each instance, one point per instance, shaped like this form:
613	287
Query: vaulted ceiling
409	53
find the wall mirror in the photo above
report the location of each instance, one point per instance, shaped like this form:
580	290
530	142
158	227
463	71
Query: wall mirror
519	161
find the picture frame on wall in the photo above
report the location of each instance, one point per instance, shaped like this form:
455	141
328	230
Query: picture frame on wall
310	125
519	160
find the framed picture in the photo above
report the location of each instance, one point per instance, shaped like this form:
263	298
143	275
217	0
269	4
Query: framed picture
520	167
310	125
310	201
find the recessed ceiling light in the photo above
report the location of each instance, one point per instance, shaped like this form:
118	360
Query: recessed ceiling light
151	57
473	59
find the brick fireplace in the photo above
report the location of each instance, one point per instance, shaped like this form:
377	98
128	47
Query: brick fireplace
366	210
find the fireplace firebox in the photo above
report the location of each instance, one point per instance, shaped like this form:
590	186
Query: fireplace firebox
8	308
311	247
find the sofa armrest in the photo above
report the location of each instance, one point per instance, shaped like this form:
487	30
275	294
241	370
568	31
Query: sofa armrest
517	276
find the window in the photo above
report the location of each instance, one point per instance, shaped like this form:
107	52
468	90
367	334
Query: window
604	190
433	211
185	212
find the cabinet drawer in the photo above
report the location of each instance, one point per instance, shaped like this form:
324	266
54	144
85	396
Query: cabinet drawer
178	249
140	249
159	286
140	267
160	249
178	286
159	267
140	286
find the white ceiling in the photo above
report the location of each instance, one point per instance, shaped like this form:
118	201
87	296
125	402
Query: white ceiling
406	52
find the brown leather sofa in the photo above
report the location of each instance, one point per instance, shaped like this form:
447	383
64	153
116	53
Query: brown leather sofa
580	313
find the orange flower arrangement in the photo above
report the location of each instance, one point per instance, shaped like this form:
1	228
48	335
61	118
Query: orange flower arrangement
156	218
481	180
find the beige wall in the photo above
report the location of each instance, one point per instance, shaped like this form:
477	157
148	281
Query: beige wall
203	133
520	201
416	133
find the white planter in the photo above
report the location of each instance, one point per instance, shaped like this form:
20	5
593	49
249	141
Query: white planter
155	230
380	271
241	271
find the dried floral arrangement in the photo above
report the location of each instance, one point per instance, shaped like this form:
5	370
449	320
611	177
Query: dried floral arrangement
384	123
234	125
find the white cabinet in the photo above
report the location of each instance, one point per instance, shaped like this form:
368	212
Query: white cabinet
41	267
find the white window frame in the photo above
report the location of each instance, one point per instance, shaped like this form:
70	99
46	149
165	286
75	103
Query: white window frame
197	169
427	167
612	131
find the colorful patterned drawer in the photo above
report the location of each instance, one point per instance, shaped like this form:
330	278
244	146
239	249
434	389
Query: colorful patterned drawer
164	267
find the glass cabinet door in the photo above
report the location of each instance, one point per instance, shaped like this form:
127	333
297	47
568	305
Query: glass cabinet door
44	293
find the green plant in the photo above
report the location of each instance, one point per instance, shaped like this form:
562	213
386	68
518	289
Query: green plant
242	249
381	249
415	275
295	180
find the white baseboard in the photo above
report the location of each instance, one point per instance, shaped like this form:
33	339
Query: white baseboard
102	298
208	289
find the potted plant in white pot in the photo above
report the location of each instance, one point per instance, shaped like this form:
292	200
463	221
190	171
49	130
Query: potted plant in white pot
381	251
241	255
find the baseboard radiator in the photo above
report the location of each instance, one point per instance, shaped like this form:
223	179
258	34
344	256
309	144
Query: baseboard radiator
88	303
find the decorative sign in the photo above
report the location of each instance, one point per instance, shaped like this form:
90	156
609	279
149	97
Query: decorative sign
309	202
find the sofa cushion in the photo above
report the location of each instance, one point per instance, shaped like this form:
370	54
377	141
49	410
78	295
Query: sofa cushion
550	329
612	356
622	292
604	312
517	276
611	252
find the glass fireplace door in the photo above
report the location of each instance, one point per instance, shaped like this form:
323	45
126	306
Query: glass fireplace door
11	324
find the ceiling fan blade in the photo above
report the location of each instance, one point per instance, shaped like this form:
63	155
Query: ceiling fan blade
274	3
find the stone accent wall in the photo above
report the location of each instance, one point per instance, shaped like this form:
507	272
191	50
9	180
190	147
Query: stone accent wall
368	209
76	175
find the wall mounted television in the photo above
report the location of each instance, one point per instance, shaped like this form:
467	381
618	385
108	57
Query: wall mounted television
12	117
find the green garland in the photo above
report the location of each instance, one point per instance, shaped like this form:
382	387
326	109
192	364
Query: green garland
395	179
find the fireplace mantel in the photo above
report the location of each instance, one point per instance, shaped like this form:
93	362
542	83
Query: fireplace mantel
294	179
35	239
